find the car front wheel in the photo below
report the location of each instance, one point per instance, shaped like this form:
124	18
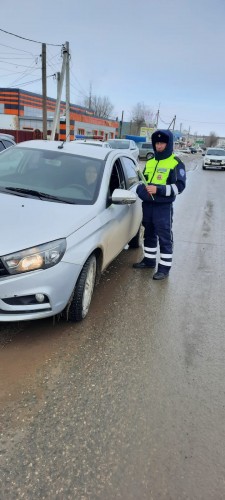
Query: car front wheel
80	301
149	156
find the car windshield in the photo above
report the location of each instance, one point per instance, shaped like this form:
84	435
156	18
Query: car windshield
216	152
117	144
51	175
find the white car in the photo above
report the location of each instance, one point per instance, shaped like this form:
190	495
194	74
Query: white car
6	141
214	158
93	142
125	144
67	210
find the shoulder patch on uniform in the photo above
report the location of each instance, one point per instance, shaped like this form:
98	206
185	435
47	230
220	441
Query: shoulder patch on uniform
182	172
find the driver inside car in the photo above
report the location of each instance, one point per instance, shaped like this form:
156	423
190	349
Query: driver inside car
91	175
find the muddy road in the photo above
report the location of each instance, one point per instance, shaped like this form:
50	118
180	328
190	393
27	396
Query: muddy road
130	403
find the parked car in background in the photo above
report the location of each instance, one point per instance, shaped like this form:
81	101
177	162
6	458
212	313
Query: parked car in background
146	150
125	144
70	210
193	150
93	142
214	158
6	141
178	152
186	150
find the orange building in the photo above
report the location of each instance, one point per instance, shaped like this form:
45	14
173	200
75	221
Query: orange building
22	110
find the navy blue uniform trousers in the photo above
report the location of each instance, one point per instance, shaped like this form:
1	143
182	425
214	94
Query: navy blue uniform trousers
157	222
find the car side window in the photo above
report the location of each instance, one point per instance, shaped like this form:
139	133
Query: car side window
7	144
117	179
132	145
1	146
130	169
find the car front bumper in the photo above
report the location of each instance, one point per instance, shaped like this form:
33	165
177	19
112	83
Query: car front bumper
18	292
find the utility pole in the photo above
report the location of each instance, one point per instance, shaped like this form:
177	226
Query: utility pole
90	97
67	92
121	124
58	99
157	119
57	106
172	122
189	132
44	91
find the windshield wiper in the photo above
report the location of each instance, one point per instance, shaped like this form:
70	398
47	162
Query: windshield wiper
38	194
24	191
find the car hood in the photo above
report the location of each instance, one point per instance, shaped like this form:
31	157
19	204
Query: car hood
27	222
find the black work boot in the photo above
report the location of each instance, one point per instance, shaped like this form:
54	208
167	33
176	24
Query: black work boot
159	275
144	265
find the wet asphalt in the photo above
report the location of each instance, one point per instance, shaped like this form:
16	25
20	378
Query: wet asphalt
130	403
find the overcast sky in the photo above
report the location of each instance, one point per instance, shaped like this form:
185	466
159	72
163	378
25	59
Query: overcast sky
163	53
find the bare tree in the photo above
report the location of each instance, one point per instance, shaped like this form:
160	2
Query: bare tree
142	116
101	106
211	140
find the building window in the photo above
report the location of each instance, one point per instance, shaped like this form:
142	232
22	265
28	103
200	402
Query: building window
32	112
1	108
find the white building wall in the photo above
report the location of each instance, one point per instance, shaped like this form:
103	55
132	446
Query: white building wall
90	127
8	121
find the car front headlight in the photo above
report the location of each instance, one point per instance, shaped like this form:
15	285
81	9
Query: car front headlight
39	257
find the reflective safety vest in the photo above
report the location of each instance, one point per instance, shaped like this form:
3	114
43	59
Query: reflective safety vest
158	171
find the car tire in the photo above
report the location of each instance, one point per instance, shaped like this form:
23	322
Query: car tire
136	241
79	303
203	167
149	156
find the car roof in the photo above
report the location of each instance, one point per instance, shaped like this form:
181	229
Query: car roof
7	136
71	147
93	142
118	140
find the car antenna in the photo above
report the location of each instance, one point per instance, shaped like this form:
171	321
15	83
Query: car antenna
63	142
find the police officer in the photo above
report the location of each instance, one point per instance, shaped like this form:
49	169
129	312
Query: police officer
166	177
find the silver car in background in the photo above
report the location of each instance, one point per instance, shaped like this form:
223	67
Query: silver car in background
67	211
146	151
124	144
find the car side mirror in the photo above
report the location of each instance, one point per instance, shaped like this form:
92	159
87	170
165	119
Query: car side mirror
123	197
203	154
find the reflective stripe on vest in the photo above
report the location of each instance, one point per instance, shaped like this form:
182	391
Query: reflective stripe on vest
157	172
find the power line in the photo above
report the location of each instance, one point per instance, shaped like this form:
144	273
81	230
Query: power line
14	64
32	81
28	39
15	48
